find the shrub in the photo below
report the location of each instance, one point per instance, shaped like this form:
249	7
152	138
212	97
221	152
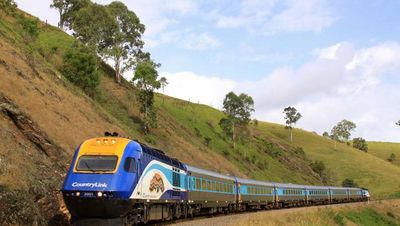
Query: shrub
207	140
318	167
349	183
360	144
392	157
8	6
30	26
80	67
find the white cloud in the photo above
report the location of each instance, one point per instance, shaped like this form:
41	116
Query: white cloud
269	17
325	90
198	88
201	41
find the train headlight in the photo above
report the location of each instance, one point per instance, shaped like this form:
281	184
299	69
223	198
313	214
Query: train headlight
78	194
99	194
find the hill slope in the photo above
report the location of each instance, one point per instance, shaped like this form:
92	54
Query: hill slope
384	150
44	118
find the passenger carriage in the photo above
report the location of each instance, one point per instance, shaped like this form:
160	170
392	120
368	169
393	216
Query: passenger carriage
211	192
253	194
290	194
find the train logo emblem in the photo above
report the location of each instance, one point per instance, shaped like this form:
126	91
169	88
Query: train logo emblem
157	183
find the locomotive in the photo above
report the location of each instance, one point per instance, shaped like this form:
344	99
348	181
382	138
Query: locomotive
127	181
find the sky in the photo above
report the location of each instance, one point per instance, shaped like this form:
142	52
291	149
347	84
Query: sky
332	60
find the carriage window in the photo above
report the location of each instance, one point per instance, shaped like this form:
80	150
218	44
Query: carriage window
97	163
198	183
130	165
203	184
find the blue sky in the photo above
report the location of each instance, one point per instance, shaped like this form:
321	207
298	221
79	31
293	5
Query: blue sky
332	60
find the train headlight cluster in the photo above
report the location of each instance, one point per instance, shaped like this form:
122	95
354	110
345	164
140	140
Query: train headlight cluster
106	141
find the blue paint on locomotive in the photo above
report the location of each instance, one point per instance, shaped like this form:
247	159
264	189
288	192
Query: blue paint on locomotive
121	184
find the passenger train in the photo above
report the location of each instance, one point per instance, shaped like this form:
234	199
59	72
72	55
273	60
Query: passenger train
129	182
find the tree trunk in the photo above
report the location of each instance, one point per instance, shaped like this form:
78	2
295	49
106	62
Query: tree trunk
335	144
291	135
233	135
117	71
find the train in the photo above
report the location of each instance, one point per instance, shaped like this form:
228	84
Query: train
126	181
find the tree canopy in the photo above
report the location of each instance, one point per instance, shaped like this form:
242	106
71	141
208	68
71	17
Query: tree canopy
125	44
342	131
113	31
291	117
398	123
145	79
360	144
349	183
238	111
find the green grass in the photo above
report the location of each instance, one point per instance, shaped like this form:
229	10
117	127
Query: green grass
384	149
370	217
380	176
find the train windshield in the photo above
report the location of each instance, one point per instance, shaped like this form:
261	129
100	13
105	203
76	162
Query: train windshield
96	163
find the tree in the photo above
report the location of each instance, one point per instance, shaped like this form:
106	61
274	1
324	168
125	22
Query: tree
392	157
94	26
126	44
291	116
325	134
342	131
398	123
67	10
61	6
349	183
360	144
145	79
80	67
238	110
163	82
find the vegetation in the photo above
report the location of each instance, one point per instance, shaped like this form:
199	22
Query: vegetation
385	150
238	111
349	183
8	6
291	117
163	83
126	44
382	213
146	80
342	131
360	144
80	67
398	123
392	157
30	27
113	31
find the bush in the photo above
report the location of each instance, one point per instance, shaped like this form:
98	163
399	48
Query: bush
318	167
392	157
360	144
207	140
80	67
349	183
8	6
30	26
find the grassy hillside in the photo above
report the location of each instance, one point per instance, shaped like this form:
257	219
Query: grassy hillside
382	213
44	118
383	150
